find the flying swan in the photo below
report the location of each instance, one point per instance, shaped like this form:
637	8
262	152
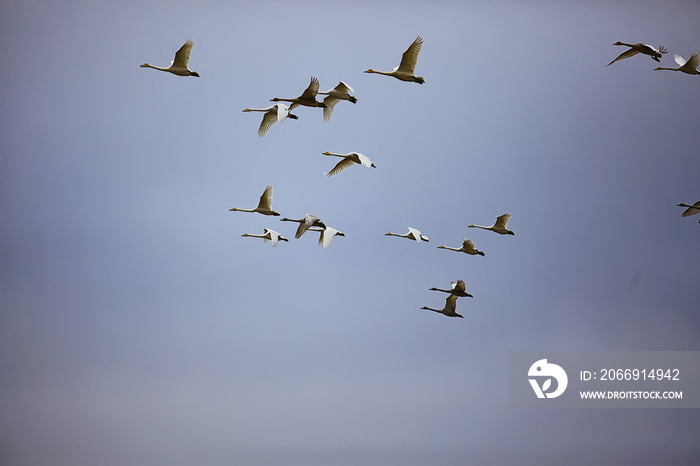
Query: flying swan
413	234
687	67
449	309
327	235
305	223
500	227
406	69
340	92
634	49
307	98
264	206
458	289
273	114
179	65
467	247
349	159
690	209
267	236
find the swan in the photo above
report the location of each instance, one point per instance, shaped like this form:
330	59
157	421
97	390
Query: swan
500	227
273	114
407	67
264	206
305	223
688	67
413	234
307	98
458	289
349	160
449	309
634	49
340	92
690	209
327	235
179	65
467	247
268	235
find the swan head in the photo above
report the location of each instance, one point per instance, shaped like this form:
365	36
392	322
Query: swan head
352	99
618	43
658	68
511	232
145	65
366	71
292	116
194	73
419	80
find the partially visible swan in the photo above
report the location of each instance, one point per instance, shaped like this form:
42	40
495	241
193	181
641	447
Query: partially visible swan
179	65
406	69
467	247
458	289
305	223
273	114
307	98
500	227
327	235
688	67
349	159
646	49
264	206
449	309
267	236
340	92
413	234
690	209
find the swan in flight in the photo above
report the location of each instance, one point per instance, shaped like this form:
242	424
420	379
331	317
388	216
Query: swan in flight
264	206
458	289
268	235
327	235
467	247
690	209
405	70
307	98
340	92
449	309
305	223
688	67
500	227
349	159
179	65
413	234
273	114
634	49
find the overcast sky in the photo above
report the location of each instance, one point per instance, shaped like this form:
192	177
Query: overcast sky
138	327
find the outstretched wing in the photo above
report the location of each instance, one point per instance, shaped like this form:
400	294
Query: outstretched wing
410	56
182	56
311	91
693	61
340	166
330	102
502	221
623	55
266	198
269	119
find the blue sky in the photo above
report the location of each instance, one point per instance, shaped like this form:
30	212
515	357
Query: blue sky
138	327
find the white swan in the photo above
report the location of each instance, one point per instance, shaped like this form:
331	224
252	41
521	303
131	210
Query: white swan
327	235
467	247
413	234
688	67
340	92
264	206
458	289
179	65
305	223
500	227
273	114
449	309
267	236
307	98
406	69
634	49
690	209
349	159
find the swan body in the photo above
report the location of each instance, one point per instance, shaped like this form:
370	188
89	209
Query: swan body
406	69
450	307
307	98
467	247
268	236
500	227
634	49
305	223
264	206
690	209
458	289
688	67
340	92
179	65
349	159
327	235
413	234
273	114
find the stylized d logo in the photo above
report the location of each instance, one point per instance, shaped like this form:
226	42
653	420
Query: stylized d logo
543	369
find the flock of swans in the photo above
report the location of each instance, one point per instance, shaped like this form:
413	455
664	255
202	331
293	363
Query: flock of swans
405	71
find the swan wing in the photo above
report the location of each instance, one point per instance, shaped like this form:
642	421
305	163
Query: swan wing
364	160
693	61
342	165
410	57
330	102
282	112
502	221
415	234
266	199
312	90
468	244
451	303
680	60
626	54
182	56
269	119
692	210
459	286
